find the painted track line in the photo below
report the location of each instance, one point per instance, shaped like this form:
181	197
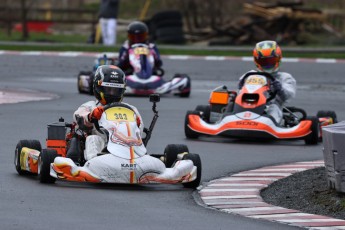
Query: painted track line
172	57
10	96
240	194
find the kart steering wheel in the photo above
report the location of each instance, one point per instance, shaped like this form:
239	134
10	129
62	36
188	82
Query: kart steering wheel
267	75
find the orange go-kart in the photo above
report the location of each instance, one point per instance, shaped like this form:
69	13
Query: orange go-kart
243	115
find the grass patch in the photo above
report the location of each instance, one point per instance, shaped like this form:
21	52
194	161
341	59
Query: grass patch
163	50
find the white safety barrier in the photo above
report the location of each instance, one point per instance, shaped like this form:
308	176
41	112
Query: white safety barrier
334	155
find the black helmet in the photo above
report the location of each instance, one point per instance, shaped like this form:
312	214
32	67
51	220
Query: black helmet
137	32
109	84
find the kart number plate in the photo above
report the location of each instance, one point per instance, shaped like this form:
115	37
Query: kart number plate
120	114
141	51
256	80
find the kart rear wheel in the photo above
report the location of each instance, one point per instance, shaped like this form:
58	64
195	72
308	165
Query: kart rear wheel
197	162
206	111
187	89
326	114
330	114
32	144
46	157
170	153
191	134
313	137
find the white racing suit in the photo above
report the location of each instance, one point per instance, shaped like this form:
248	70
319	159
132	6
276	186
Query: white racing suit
96	142
288	92
127	160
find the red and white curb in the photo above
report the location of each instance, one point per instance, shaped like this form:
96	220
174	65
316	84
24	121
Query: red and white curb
172	57
10	96
240	194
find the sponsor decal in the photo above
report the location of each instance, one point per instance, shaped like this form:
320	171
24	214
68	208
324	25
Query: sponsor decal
247	114
115	85
114	75
247	123
130	167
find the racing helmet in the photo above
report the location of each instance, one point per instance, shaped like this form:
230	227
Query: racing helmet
137	32
267	56
109	84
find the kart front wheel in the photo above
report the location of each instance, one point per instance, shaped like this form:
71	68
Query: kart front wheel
206	111
191	134
31	144
170	153
313	137
85	82
197	162
46	157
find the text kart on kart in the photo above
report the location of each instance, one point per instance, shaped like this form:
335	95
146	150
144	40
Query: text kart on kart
143	78
243	115
63	159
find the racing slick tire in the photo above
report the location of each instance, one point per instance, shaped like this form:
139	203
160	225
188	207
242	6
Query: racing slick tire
46	157
32	144
324	114
188	87
331	114
197	162
170	153
313	137
206	111
90	82
190	134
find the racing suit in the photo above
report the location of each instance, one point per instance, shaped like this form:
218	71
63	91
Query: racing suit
287	92
97	141
124	57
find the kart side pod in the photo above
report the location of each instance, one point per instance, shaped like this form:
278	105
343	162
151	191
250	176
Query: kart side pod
57	137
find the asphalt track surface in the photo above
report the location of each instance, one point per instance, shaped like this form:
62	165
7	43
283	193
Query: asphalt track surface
27	204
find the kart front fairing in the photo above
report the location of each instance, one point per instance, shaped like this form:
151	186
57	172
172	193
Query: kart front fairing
237	125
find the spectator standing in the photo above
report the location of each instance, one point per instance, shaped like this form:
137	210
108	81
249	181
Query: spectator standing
108	20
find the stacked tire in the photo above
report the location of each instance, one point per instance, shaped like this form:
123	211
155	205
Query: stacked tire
166	27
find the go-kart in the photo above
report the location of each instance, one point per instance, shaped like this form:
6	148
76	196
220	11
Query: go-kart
142	78
124	160
243	115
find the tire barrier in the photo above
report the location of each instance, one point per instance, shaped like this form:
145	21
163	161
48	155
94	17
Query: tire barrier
166	27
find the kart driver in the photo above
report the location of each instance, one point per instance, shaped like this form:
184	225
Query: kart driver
109	87
267	58
137	33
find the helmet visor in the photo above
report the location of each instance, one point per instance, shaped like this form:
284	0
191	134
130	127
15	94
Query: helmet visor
267	63
116	92
137	38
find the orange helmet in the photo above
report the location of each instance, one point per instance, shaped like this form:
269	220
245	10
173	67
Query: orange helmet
267	56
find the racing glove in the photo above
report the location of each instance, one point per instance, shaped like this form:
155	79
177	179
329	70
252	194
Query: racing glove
96	113
277	86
